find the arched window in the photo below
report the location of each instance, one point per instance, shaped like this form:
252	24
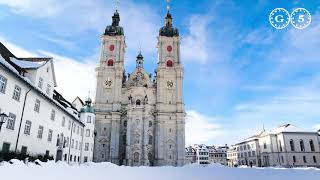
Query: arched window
110	62
138	102
150	139
124	139
311	145
136	157
150	123
301	145
150	157
292	145
280	146
125	123
169	63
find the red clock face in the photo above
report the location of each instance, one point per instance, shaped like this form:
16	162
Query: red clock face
111	47
169	48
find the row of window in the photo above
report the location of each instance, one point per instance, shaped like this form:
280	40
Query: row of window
110	63
17	89
16	92
24	149
301	143
245	147
294	159
247	154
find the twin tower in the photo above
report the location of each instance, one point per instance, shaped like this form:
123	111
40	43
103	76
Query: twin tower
140	119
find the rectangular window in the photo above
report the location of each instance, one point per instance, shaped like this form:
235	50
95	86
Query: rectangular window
294	159
5	147
85	159
265	145
40	84
88	132
53	115
72	143
280	146
314	159
16	93
304	159
48	89
27	127
253	153
37	105
47	153
76	144
69	125
3	84
24	150
63	121
78	129
40	132
50	135
89	119
66	142
11	121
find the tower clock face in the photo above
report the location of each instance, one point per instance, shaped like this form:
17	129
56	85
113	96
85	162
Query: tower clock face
108	83
169	48
111	47
169	84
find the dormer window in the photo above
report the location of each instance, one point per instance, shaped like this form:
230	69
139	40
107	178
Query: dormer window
169	63
110	62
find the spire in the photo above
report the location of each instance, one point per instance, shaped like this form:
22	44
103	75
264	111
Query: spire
115	19
139	60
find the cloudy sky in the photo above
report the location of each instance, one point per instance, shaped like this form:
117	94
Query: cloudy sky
240	72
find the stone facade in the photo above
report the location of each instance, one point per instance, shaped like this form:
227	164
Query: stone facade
140	119
286	146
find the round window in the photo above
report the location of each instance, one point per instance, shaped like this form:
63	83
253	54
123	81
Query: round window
111	47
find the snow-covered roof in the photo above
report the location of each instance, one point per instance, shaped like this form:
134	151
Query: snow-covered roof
29	63
60	102
287	128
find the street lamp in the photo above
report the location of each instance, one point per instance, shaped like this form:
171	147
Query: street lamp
3	119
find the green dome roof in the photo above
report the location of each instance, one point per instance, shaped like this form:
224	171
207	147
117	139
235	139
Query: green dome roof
87	108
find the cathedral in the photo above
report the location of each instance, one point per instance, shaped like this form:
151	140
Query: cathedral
140	118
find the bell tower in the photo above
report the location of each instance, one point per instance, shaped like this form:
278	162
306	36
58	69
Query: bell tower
110	75
170	121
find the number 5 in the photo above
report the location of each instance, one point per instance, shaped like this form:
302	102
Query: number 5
301	18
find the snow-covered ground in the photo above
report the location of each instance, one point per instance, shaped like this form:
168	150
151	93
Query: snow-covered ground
106	171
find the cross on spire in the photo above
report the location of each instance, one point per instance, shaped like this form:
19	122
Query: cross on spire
117	4
168	5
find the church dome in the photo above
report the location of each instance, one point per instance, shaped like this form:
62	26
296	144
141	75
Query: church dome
115	29
88	107
168	30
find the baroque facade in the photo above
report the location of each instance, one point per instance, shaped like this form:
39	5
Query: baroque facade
140	118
